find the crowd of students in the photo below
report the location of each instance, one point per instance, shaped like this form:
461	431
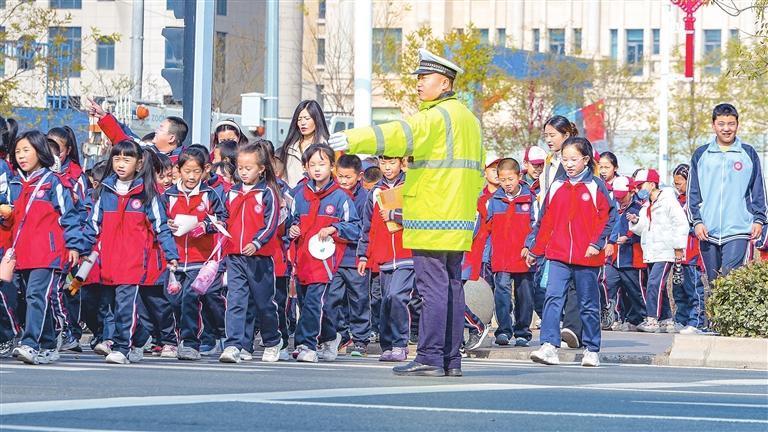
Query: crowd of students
181	251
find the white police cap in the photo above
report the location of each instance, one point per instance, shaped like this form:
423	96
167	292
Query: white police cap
431	63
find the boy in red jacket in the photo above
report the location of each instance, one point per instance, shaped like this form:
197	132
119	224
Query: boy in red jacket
395	263
510	216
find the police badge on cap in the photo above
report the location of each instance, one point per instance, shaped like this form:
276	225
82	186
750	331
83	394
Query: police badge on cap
430	63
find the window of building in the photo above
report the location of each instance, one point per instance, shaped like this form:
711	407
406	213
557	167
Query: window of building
734	34
220	57
321	9
65	4
614	44
321	52
576	42
501	37
484	37
105	55
656	41
536	37
66	43
712	51
557	41
387	46
25	53
2	4
635	50
221	7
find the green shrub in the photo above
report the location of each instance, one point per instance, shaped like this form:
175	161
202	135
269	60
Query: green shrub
738	305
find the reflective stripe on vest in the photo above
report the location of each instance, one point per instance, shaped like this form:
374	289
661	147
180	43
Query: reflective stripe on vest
408	137
440	225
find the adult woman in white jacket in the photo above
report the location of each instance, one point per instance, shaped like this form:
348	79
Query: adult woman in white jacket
663	230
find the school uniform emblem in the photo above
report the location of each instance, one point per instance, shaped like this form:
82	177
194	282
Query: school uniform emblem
258	208
525	207
40	194
738	166
585	196
329	209
135	204
201	207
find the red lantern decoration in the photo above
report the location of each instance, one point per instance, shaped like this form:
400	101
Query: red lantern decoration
689	7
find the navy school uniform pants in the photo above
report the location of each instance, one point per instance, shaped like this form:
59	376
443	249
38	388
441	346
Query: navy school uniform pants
251	277
191	325
281	298
129	331
40	286
689	298
73	307
571	314
214	309
628	284
315	313
157	315
349	291
514	312
395	322
97	312
10	327
657	299
375	290
720	260
584	281
441	327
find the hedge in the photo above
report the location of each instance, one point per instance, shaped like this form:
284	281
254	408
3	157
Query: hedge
738	305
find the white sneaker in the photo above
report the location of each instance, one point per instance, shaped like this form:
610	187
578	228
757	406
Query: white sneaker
48	356
569	337
284	355
169	351
669	326
230	355
103	348
547	355
331	350
690	330
306	355
116	357
27	354
590	359
136	354
245	355
272	354
650	325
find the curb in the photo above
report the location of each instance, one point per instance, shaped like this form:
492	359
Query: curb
569	356
720	352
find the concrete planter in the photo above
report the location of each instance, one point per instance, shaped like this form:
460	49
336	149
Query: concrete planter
719	351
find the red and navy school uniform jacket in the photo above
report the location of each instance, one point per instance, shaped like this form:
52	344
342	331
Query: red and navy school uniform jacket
115	133
376	242
200	202
509	222
479	253
692	250
359	196
126	227
6	175
253	218
574	216
281	255
52	226
630	254
74	174
221	186
314	210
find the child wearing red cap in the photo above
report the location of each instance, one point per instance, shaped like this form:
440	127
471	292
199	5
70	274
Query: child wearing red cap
663	230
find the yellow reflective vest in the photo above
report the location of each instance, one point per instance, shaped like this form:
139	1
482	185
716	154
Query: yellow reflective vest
446	177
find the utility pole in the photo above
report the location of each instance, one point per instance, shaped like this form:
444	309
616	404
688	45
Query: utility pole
203	73
363	62
665	36
137	48
272	71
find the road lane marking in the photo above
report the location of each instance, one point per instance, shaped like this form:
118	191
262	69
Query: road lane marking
512	412
718	404
55	429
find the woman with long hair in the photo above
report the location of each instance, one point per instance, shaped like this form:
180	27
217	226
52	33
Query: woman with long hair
307	127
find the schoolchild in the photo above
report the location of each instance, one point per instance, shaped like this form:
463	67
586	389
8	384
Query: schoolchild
576	219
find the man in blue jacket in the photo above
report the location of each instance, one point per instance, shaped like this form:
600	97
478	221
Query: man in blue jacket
726	195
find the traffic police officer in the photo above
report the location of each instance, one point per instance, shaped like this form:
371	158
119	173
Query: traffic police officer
439	200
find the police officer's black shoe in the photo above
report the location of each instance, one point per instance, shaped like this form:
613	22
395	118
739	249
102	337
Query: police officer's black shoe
453	372
415	368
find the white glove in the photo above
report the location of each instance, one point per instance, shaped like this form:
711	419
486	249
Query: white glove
338	142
